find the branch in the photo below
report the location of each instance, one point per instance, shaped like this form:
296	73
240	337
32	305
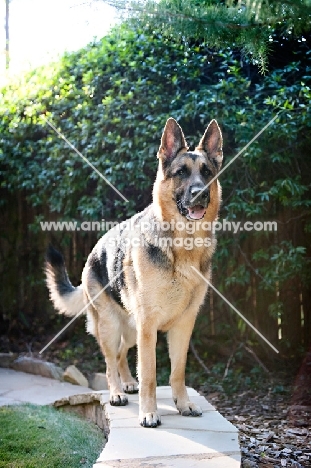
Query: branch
229	362
157	12
249	350
254	269
195	353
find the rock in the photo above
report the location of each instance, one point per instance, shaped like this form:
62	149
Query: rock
87	405
7	359
98	381
38	367
74	376
81	399
249	464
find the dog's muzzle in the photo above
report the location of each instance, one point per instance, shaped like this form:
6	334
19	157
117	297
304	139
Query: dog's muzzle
196	209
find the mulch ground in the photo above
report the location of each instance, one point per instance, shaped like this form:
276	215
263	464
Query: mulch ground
270	436
274	421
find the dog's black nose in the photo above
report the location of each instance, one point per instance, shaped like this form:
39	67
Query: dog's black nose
195	190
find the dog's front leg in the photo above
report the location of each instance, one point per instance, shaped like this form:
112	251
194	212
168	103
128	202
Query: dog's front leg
178	341
146	348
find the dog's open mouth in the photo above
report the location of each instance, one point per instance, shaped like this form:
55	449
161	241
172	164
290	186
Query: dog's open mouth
196	212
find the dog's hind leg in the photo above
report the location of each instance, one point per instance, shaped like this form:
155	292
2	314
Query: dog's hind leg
106	325
109	332
128	340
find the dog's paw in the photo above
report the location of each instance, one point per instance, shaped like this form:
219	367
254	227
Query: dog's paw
130	387
149	419
118	399
189	409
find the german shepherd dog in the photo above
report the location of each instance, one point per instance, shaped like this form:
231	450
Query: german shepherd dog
137	281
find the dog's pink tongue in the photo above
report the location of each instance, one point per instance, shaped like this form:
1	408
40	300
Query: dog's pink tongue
196	212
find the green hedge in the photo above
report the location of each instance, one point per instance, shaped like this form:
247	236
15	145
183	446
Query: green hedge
111	100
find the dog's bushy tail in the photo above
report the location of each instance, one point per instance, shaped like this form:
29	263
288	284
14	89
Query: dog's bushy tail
67	299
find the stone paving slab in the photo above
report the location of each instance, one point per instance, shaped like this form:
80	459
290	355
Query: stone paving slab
198	461
20	387
209	441
128	443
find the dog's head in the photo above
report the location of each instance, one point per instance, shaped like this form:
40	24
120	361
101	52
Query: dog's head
187	175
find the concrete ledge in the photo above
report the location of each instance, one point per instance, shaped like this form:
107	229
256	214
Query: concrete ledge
88	405
183	461
184	442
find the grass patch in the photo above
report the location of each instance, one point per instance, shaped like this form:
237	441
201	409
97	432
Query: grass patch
40	436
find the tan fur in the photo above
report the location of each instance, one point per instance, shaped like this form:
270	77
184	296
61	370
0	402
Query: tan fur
155	297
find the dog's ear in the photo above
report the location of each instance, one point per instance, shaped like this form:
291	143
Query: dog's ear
172	140
211	143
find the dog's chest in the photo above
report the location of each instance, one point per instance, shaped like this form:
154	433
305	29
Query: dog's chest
182	292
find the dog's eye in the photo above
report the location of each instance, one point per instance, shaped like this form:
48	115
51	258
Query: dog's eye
183	171
205	171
